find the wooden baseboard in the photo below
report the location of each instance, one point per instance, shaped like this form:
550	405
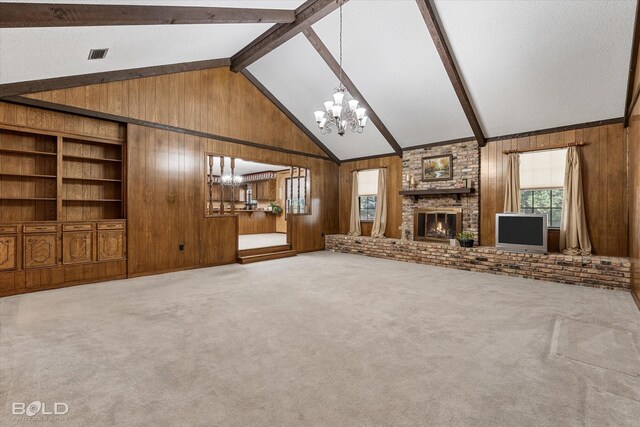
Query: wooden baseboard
7	293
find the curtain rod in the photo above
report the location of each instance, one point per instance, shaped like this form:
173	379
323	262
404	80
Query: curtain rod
548	147
367	169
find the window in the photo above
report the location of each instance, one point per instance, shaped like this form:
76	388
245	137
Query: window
367	191
546	201
367	208
297	191
541	184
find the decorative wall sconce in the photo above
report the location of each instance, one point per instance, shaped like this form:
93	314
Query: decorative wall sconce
411	181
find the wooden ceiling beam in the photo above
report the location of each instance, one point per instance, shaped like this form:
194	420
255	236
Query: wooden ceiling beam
21	88
631	97
22	15
306	15
289	114
351	87
431	19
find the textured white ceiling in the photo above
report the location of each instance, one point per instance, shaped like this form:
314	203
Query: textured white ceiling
296	75
391	58
539	64
527	65
41	53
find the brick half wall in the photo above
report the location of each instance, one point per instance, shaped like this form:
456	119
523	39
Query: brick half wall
593	271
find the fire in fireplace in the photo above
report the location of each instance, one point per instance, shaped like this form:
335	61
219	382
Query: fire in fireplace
437	225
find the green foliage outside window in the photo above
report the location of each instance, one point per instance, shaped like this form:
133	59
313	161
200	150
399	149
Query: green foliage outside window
546	201
367	208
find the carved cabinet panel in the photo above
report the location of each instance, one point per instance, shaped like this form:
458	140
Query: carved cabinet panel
77	247
111	245
40	250
8	259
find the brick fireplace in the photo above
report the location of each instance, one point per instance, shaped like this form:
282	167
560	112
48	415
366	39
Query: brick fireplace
436	225
464	207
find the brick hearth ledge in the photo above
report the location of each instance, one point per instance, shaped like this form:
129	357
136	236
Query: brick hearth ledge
594	271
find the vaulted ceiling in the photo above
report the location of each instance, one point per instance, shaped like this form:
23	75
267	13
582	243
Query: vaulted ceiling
525	65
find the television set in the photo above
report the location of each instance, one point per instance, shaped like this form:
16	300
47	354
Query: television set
521	232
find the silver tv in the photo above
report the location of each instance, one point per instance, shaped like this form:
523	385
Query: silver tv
521	232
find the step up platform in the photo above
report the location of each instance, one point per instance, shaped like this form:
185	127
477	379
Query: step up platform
248	256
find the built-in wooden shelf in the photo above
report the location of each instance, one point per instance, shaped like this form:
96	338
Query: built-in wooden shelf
26	175
72	178
415	194
25	151
89	158
91	200
30	198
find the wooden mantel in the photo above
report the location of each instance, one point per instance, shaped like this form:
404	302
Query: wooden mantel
415	194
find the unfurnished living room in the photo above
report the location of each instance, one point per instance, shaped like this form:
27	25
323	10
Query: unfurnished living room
320	213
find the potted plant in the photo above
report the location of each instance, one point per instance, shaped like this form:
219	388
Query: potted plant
275	208
466	239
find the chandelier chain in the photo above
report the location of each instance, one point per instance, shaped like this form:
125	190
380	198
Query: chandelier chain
340	77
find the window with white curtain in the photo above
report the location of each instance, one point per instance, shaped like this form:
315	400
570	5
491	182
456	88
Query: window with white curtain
367	193
541	184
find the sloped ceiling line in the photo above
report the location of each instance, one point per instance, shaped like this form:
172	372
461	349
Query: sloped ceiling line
306	15
631	97
431	19
29	15
351	87
32	86
288	113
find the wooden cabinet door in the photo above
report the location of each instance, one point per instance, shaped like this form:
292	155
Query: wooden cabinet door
77	247
40	250
8	252
111	245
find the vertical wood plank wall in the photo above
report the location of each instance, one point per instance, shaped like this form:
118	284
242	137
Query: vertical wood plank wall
604	175
166	196
166	169
214	101
394	213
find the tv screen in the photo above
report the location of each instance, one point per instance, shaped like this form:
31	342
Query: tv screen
521	232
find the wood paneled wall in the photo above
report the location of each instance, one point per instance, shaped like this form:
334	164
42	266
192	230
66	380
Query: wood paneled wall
604	168
394	213
69	124
166	187
165	169
214	101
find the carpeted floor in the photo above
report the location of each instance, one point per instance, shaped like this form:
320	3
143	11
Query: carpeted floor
324	339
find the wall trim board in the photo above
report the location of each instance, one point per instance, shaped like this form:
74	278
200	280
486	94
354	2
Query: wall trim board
631	106
441	143
604	122
631	99
122	119
374	156
288	113
42	85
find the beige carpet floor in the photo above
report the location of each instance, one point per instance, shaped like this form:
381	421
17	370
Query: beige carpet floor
324	339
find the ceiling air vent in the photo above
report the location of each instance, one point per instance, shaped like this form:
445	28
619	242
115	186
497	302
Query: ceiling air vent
98	53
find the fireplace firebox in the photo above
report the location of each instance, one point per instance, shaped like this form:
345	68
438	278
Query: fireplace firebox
437	225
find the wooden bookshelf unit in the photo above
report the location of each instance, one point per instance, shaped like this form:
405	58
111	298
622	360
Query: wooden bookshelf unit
62	210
